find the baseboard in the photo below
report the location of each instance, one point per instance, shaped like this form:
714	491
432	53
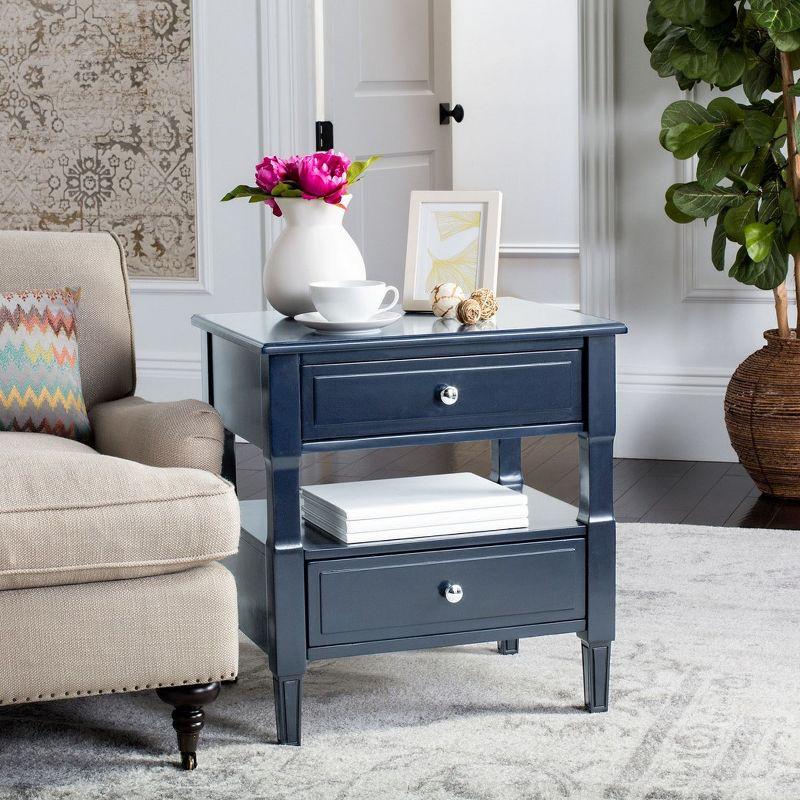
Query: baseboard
675	414
168	376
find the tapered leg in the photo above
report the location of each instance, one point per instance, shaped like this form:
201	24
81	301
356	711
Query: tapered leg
188	717
508	647
596	511
596	671
286	590
288	708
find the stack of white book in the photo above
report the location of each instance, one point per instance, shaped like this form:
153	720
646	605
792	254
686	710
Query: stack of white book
411	508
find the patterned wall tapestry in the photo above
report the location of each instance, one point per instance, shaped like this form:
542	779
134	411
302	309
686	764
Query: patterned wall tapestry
96	124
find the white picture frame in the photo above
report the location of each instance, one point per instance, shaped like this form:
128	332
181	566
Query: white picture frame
453	237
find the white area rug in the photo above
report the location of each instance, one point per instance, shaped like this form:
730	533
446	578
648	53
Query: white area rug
704	691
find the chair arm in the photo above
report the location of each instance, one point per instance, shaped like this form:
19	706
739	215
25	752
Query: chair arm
185	433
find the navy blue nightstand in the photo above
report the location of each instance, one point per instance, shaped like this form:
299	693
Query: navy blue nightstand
533	370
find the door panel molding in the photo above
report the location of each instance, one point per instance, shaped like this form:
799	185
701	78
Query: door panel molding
597	201
288	71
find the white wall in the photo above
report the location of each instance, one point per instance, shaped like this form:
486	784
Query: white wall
689	325
228	141
515	71
249	102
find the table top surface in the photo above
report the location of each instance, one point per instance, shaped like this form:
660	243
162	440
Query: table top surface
269	331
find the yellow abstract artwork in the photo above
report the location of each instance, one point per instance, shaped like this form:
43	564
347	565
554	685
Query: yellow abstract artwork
451	223
461	269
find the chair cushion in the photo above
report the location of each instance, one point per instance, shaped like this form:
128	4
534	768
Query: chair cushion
118	636
40	379
70	515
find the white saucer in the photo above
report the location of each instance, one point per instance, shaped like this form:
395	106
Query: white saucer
315	320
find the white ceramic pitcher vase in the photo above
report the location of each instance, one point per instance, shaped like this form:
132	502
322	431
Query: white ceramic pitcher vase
313	246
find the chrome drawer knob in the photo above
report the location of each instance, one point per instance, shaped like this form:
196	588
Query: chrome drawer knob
452	592
448	395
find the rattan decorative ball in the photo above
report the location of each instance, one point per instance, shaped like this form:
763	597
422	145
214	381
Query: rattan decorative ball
445	299
468	312
488	302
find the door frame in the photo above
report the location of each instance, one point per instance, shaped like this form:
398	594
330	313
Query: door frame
288	118
597	169
289	65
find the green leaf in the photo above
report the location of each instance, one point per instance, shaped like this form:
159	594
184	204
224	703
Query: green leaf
699	202
758	77
286	189
719	243
685	112
759	127
661	57
754	171
685	140
717	12
744	270
770	208
730	67
713	165
672	210
776	267
788	211
694	63
245	191
740	140
758	240
738	218
777	16
656	24
725	109
681	12
793	245
357	169
788	41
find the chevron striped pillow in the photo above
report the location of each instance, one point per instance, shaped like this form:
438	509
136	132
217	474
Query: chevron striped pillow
40	379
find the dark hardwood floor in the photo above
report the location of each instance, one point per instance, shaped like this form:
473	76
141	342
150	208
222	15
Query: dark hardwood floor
692	492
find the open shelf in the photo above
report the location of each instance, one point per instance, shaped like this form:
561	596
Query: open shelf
548	518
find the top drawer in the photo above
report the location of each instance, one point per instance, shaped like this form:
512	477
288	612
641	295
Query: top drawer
405	396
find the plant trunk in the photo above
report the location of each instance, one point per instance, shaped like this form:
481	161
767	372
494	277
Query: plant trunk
782	310
793	173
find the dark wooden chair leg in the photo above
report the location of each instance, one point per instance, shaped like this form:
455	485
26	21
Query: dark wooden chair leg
596	670
288	708
188	717
508	647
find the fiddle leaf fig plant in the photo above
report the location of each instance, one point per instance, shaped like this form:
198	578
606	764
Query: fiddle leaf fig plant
747	175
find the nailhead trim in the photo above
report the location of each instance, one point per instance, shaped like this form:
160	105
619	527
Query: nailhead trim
112	691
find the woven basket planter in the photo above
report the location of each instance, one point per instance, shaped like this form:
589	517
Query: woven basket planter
762	412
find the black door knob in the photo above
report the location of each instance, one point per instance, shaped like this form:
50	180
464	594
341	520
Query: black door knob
445	112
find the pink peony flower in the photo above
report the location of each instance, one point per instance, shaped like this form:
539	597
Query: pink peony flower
292	165
323	175
269	173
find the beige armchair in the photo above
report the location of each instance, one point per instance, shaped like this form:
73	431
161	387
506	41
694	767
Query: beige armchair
108	573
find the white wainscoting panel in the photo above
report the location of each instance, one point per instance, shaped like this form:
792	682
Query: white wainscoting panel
677	358
236	77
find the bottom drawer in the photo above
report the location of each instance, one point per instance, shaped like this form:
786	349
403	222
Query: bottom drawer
394	596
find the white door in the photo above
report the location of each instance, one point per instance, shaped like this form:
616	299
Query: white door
386	69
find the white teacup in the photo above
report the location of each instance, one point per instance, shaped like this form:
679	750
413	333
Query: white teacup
351	301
